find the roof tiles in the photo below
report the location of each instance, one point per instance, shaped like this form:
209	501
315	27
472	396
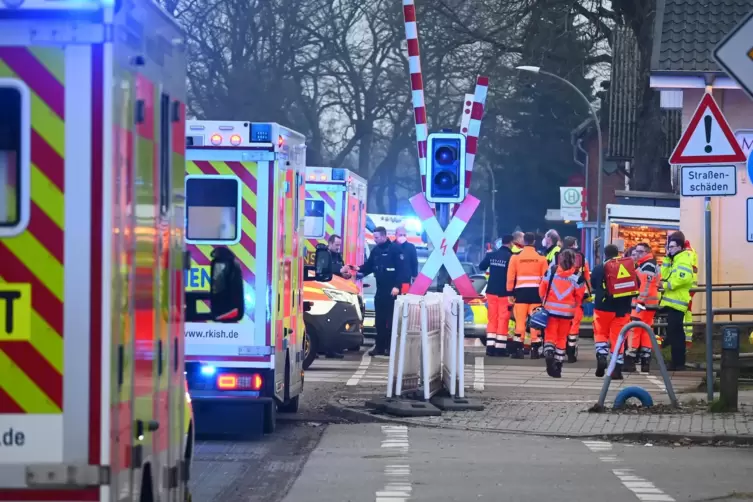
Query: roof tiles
690	29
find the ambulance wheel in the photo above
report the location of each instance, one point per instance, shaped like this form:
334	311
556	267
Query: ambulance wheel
270	418
310	348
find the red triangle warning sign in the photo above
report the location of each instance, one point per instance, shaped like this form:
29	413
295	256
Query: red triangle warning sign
708	138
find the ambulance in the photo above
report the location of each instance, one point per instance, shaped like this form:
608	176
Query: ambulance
335	204
244	192
93	405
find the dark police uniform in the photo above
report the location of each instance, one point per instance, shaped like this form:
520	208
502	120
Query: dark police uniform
390	270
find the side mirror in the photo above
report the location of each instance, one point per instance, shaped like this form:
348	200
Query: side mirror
307	306
226	287
323	265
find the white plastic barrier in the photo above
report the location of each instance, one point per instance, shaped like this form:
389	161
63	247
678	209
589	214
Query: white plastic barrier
427	345
453	347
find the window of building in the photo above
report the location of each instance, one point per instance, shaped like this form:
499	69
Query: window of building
213	213
313	225
14	157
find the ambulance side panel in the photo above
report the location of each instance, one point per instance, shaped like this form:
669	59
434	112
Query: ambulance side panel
288	316
52	359
148	92
246	179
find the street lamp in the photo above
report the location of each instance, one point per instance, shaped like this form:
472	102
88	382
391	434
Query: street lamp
600	175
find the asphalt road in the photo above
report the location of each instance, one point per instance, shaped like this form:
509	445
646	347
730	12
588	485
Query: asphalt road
368	462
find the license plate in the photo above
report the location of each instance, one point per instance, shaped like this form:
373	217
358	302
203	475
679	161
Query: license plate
368	322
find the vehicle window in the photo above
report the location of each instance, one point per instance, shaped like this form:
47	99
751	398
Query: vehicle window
469	268
14	154
213	213
313	225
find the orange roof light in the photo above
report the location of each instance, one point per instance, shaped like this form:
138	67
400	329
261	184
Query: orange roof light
235	139
216	139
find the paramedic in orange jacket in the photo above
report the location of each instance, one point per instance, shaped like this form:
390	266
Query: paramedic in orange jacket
644	309
562	292
610	316
524	275
582	270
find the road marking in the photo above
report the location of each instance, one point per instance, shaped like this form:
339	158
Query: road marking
655	380
478	374
361	371
644	490
398	485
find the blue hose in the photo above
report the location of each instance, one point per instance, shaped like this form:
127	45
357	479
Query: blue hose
637	392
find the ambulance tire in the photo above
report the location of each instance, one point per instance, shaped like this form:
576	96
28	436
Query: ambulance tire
313	347
270	418
147	494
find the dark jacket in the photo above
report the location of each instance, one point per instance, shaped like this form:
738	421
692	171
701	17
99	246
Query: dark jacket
604	302
497	261
387	263
411	258
337	262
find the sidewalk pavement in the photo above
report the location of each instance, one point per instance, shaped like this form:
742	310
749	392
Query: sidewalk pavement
566	415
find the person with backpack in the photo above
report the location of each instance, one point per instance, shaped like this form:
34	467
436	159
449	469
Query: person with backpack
677	278
498	297
524	275
644	309
614	284
583	271
562	293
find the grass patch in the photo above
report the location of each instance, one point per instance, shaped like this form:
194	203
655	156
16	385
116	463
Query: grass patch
719	405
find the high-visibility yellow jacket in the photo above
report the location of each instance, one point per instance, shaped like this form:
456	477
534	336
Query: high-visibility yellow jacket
677	279
552	254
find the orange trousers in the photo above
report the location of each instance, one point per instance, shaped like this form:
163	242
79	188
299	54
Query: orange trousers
521	311
555	341
639	339
607	326
498	319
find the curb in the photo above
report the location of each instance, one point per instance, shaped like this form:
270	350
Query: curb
365	417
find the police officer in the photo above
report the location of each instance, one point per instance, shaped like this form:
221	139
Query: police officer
388	265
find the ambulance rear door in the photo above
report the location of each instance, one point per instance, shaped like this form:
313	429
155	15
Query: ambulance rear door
324	207
54	306
228	204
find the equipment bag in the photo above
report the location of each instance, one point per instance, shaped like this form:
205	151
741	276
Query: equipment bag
620	278
539	318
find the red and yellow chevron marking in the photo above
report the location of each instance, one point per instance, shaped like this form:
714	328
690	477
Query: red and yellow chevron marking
31	368
329	220
245	250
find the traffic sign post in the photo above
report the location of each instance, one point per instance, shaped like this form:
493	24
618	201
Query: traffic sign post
749	220
735	54
708	140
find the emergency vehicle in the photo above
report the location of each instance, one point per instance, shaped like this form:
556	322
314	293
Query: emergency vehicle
335	205
244	193
92	392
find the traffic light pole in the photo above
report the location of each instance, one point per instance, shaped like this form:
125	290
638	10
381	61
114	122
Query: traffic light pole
443	216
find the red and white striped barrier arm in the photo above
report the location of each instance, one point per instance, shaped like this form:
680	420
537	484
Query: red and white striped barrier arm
416	85
474	127
465	117
443	242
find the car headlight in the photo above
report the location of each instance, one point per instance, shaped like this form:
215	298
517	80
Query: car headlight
341	296
345	297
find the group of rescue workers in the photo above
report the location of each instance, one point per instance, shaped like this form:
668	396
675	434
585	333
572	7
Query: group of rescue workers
544	292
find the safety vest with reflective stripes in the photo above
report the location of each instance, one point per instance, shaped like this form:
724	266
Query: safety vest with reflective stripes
648	274
677	279
526	269
552	253
564	295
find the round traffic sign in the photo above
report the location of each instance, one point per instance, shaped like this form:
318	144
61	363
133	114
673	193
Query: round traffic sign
571	196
